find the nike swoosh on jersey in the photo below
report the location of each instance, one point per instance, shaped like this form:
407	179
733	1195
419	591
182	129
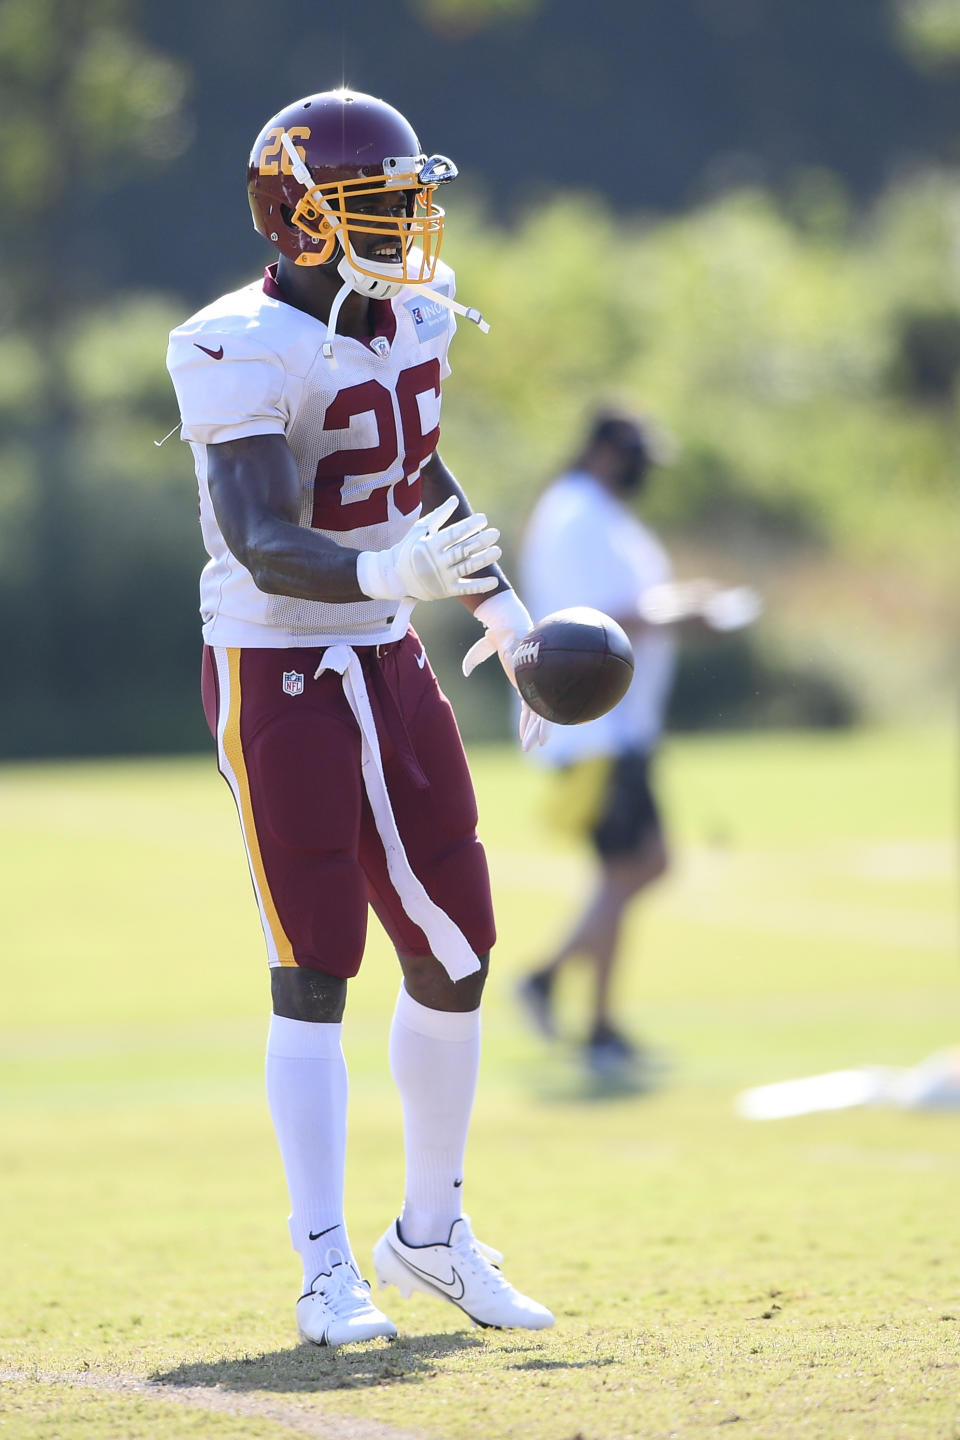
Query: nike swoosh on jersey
421	659
214	354
446	1285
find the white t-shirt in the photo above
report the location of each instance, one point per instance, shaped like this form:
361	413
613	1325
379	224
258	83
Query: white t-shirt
583	547
251	364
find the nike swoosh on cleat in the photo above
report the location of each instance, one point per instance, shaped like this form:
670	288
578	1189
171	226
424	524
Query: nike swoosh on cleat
447	1286
214	354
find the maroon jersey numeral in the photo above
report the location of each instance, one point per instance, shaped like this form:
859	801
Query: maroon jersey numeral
417	447
332	507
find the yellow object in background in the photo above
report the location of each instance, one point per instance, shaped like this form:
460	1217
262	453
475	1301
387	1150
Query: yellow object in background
576	794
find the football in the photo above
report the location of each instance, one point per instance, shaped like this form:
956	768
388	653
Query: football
574	665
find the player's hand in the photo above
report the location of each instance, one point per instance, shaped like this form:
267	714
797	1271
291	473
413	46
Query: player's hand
703	601
507	621
732	609
432	562
675	601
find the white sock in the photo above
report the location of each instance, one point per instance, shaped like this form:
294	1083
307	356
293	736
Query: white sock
307	1094
434	1058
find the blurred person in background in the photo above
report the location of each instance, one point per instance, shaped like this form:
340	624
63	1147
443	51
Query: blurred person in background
311	401
584	545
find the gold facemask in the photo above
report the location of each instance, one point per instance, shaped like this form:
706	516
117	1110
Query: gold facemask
325	212
329	212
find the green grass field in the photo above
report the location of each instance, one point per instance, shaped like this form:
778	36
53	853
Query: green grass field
710	1276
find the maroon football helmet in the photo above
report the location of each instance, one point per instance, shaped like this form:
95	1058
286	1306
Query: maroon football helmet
314	167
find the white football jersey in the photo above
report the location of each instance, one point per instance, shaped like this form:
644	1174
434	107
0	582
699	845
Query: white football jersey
359	430
583	547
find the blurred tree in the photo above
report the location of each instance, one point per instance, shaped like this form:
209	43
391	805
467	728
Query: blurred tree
85	104
656	105
817	417
802	347
764	335
461	18
930	31
927	364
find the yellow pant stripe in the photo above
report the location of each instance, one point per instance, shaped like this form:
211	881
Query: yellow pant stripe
233	751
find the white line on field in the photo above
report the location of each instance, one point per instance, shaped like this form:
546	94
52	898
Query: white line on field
293	1418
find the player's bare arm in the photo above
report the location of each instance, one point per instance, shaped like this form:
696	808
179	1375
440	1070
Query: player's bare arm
438	483
255	491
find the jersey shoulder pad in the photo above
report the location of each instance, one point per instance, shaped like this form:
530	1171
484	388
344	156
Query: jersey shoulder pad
228	372
248	323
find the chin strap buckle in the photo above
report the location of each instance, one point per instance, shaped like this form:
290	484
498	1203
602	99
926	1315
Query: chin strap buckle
467	311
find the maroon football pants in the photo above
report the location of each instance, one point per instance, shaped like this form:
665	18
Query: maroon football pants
289	747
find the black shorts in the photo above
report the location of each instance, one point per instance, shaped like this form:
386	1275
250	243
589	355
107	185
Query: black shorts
629	810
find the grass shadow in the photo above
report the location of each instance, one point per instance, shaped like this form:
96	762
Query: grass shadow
312	1368
598	1092
575	1087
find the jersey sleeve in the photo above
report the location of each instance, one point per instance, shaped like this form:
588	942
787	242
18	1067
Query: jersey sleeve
227	386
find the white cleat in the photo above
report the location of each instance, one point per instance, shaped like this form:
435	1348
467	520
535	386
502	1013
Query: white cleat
337	1309
463	1272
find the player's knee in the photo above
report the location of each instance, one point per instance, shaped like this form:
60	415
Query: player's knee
628	874
426	981
646	873
306	994
659	860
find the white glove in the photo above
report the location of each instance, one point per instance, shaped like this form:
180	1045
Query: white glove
507	621
432	563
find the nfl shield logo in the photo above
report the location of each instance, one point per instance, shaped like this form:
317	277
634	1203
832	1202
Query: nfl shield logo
292	682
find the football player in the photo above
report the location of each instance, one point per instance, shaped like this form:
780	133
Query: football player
311	402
